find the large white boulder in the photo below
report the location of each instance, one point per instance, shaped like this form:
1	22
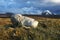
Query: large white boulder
25	21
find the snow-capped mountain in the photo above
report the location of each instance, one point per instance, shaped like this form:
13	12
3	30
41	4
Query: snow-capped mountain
47	12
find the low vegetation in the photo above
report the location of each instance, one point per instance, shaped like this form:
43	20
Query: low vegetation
48	29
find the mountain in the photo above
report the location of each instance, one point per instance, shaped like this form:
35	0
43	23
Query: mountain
47	12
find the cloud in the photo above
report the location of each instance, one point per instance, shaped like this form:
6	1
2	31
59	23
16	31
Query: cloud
45	3
55	1
35	3
27	6
28	2
25	10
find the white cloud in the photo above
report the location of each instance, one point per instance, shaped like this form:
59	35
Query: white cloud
28	8
10	5
25	10
28	2
55	1
46	2
7	2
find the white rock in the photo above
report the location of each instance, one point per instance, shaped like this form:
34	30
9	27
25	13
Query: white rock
25	21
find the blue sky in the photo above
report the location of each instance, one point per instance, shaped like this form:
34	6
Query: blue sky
29	6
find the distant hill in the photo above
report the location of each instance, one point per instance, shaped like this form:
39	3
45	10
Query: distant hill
8	15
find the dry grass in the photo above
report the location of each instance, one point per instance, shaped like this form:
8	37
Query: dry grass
4	21
48	29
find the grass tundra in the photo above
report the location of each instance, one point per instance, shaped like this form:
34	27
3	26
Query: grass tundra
48	29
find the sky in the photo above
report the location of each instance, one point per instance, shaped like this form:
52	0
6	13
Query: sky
29	6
